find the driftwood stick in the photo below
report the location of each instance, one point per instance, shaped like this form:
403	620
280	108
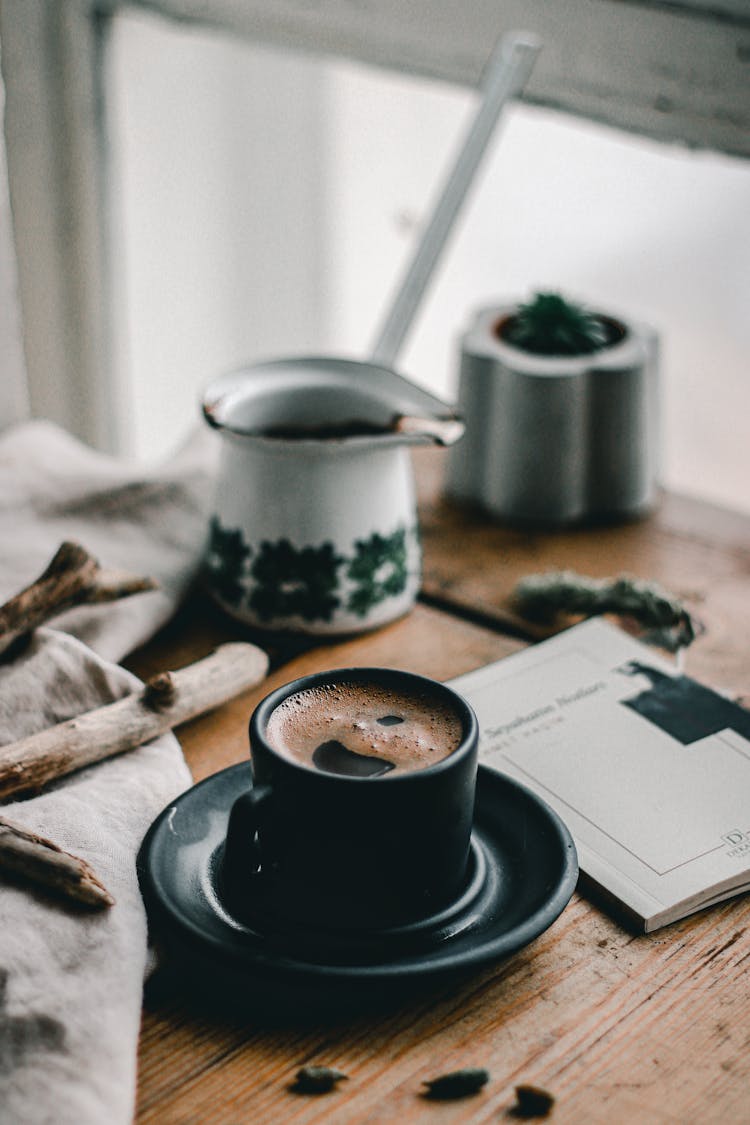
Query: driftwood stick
34	859
73	577
166	701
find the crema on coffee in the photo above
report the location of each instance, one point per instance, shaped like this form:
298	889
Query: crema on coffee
364	729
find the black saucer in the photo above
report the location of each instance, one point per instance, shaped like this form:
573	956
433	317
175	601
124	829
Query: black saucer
522	874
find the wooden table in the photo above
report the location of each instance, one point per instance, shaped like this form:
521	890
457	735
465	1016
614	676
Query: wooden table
620	1028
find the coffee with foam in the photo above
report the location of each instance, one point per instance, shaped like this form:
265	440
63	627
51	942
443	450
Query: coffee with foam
360	729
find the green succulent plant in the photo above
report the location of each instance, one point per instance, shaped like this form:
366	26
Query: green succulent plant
550	325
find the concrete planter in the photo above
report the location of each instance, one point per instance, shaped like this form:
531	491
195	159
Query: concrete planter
553	440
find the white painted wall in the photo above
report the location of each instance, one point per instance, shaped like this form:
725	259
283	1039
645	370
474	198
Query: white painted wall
269	203
218	159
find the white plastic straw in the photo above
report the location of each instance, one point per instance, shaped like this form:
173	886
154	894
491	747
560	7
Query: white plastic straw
505	75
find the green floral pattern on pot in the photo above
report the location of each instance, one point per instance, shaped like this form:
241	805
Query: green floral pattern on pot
225	562
295	583
378	570
278	580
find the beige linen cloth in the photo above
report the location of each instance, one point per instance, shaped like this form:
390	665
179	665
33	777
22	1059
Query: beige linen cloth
71	981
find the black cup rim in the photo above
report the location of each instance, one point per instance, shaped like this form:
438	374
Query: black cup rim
365	674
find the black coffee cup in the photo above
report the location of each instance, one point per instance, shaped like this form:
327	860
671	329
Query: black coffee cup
351	852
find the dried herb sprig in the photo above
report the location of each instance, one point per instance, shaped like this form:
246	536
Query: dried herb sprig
532	1101
317	1079
541	597
456	1084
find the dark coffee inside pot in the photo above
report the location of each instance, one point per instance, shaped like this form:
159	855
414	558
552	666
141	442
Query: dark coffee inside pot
364	729
323	432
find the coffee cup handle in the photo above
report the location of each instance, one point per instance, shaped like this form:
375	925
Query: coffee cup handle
241	851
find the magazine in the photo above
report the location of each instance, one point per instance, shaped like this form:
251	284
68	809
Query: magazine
649	769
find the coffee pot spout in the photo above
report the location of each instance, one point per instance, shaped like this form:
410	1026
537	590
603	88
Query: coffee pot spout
442	431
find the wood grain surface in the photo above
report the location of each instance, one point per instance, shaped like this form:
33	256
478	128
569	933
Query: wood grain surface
619	1028
698	552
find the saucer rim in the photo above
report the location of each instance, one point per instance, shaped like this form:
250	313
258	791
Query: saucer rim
486	951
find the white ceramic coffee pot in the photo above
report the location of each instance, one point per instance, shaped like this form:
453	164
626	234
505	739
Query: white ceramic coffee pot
315	524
